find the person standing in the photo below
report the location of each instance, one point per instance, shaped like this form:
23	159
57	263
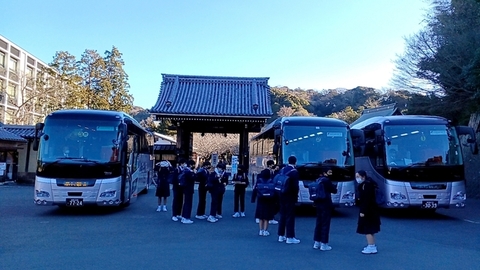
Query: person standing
202	176
273	170
324	211
288	199
240	181
188	185
216	183
265	205
177	189
369	216
163	187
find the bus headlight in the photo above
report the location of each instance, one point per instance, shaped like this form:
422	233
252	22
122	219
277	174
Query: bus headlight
460	196
348	196
108	194
41	193
397	196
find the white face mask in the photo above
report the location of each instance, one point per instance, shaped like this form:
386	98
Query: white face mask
359	180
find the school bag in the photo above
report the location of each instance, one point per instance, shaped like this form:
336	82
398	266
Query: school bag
182	178
379	195
265	188
280	181
317	190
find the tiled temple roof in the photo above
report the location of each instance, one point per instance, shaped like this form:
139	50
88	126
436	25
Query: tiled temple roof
209	96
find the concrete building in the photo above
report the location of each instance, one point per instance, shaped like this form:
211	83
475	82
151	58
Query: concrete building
18	75
19	71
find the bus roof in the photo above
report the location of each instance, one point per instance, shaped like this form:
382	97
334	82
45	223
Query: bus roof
102	114
403	120
267	132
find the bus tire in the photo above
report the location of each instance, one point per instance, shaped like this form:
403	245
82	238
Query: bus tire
125	204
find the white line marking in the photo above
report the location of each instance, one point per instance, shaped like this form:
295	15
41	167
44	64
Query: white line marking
471	221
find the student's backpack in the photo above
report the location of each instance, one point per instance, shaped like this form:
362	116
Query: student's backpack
379	196
317	190
265	188
211	181
280	181
182	178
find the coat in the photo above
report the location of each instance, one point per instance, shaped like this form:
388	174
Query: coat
365	200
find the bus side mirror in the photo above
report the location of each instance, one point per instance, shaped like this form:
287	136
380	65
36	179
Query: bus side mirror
472	140
122	129
379	136
275	149
36	139
277	133
358	140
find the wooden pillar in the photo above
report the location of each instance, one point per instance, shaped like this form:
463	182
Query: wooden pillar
184	143
243	148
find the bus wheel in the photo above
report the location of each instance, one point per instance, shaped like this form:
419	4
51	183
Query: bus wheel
144	191
125	204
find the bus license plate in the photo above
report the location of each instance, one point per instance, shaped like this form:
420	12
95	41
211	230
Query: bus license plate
429	204
74	202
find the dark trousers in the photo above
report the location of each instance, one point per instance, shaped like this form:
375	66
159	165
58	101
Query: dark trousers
322	226
202	201
287	219
220	202
239	198
177	202
213	203
187	205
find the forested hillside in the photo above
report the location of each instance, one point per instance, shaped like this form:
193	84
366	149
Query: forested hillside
345	104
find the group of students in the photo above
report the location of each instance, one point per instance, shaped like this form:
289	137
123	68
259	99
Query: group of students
210	180
368	219
214	181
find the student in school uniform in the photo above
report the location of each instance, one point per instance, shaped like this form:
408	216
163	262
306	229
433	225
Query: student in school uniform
177	189
216	184
163	186
265	209
188	185
202	176
240	181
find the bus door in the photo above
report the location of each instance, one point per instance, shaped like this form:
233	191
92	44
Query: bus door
134	175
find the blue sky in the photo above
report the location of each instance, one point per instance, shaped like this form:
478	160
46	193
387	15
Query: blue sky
310	44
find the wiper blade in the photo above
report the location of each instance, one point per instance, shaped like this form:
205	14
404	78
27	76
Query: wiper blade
417	164
309	163
412	165
74	158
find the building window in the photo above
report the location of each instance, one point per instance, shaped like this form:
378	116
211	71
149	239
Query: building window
30	76
9	116
11	90
30	72
2	59
13	65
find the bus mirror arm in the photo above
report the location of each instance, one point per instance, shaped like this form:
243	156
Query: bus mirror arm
275	149
474	148
36	140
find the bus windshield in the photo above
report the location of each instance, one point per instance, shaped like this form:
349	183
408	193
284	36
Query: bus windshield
417	145
79	139
317	144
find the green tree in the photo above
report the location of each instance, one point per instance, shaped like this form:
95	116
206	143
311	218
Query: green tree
348	114
443	59
115	82
92	71
66	70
